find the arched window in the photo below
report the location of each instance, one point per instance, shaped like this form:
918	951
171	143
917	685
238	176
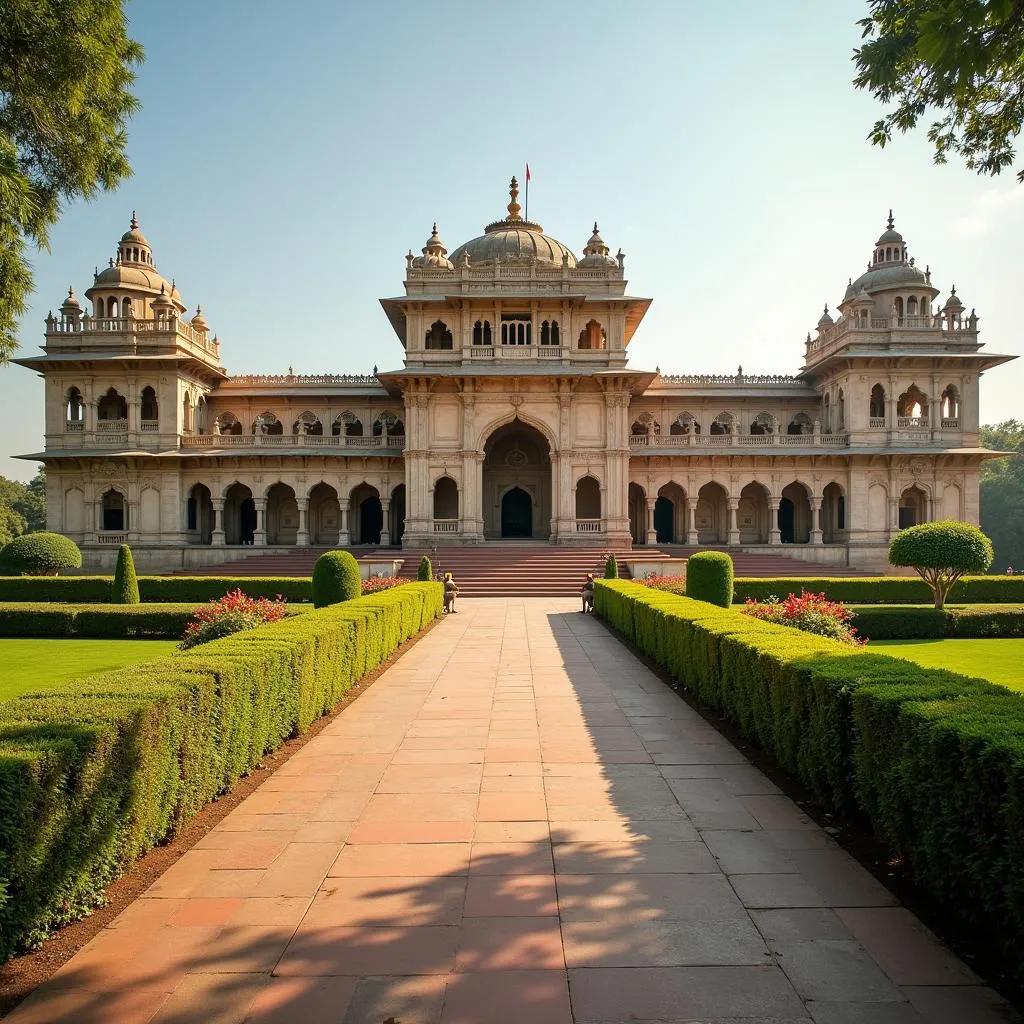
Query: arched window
912	306
763	423
201	414
446	499
439	337
126	307
840	411
801	423
112	308
307	425
113	511
722	423
549	332
876	409
588	498
684	423
112	406
593	336
912	405
898	304
347	425
229	423
951	403
186	413
926	306
482	332
384	424
74	409
268	424
149	410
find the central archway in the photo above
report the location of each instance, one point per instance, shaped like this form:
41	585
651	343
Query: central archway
517	483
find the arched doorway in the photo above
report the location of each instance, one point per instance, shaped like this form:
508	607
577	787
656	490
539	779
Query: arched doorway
712	515
752	516
517	457
794	515
669	513
516	513
446	499
913	502
114	515
282	515
366	514
199	515
637	514
239	515
833	514
396	514
323	516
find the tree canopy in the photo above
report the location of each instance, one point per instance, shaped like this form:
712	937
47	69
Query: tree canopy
65	75
961	60
940	553
1002	493
22	506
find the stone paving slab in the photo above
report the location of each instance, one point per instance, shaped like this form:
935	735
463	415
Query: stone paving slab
517	822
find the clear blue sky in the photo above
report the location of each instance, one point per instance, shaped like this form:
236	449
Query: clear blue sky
287	155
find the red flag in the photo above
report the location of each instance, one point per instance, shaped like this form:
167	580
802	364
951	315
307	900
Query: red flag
527	172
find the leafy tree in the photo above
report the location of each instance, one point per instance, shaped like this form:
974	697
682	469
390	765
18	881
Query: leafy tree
940	553
1002	493
22	507
425	573
611	567
40	554
963	60
65	74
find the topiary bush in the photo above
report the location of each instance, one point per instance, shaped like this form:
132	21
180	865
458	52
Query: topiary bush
125	588
40	554
940	553
611	568
709	577
426	571
335	579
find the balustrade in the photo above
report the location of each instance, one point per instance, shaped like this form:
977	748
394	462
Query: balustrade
911	421
151	425
876	422
951	424
384	441
112	538
588	525
74	426
446	526
738	440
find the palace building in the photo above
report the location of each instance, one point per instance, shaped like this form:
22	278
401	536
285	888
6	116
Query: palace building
515	415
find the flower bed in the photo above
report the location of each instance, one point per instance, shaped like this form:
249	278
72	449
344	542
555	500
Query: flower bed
811	613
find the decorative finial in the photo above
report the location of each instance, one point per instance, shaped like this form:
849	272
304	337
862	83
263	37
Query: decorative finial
111	261
135	220
514	207
657	370
71	291
375	369
595	227
434	230
163	288
739	371
891	222
826	309
199	310
291	372
953	290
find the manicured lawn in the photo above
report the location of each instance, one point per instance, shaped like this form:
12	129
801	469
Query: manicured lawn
999	661
30	664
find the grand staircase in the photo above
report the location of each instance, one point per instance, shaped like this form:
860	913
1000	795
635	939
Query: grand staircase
517	568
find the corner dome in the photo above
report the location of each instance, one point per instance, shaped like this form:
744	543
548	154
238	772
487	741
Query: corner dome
893	275
514	240
134	233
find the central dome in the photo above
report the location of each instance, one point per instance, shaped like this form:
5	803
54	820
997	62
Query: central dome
513	240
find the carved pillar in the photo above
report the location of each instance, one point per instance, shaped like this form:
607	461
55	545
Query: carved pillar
816	532
217	534
302	537
688	536
894	516
774	533
343	537
890	405
259	533
734	530
385	528
652	533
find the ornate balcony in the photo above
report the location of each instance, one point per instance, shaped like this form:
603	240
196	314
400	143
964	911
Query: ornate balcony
215	441
640	441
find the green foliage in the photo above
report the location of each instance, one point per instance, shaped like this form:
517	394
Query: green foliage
941	553
611	568
64	105
335	579
882	589
40	554
932	759
125	588
96	771
962	59
425	573
1002	493
22	506
225	625
709	577
174	589
95	621
881	622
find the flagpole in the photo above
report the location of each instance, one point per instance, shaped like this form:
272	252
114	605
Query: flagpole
527	192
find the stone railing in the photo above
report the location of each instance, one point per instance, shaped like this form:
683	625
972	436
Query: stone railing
112	538
129	325
394	442
446	526
951	424
911	421
509	271
588	525
876	422
832	336
738	441
112	426
733	380
74	426
150	425
306	378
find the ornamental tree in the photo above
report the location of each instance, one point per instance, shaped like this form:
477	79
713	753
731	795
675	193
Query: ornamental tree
40	554
940	553
125	587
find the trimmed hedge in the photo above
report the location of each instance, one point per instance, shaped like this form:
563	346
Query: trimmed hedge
125	588
709	577
40	554
172	589
883	589
97	621
915	622
335	579
934	760
96	771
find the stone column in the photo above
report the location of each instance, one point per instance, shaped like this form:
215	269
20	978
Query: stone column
689	536
385	528
217	534
259	533
343	538
816	532
774	533
734	530
890	405
652	533
302	536
894	516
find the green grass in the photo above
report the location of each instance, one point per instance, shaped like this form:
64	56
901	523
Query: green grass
31	664
999	661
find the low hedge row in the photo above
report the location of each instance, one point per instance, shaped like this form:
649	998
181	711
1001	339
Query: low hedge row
96	621
883	589
895	622
97	771
196	589
934	760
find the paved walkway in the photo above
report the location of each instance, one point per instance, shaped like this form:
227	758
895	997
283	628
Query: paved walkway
517	823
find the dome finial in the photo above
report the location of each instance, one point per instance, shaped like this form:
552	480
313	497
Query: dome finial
891	221
135	220
514	207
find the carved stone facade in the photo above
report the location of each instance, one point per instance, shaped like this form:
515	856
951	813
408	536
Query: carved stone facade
515	415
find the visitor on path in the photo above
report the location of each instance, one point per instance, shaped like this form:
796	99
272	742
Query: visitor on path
587	590
451	591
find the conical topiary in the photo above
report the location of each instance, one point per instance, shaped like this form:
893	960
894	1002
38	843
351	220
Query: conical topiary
335	579
426	570
125	588
611	568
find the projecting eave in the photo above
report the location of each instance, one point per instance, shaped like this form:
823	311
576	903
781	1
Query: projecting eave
75	359
977	360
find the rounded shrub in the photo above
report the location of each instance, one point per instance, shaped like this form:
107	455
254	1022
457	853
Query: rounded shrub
940	553
125	588
40	554
425	574
335	579
611	568
709	577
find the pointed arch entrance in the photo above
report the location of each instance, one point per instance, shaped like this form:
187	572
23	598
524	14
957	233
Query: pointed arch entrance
517	483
